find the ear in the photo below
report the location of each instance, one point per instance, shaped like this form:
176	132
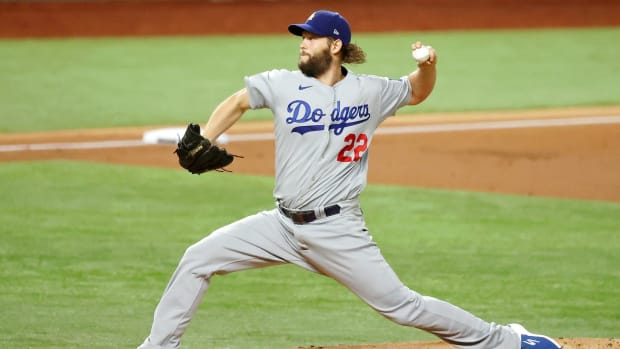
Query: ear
336	46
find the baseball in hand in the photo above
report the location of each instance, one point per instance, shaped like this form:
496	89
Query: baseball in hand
421	54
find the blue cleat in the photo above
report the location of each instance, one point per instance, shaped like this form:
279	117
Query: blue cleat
534	341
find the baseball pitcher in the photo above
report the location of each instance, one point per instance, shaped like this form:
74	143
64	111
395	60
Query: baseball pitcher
325	117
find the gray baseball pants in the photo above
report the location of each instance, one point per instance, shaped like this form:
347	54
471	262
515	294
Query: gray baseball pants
337	246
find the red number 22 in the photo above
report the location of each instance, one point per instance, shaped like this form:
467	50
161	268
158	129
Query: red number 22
355	146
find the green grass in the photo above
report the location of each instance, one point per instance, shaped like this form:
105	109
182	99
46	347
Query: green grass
84	83
87	249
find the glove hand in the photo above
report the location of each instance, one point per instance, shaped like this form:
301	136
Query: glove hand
197	155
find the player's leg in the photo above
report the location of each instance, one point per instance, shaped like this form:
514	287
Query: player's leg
343	250
253	242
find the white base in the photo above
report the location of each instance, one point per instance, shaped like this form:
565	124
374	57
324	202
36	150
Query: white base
171	136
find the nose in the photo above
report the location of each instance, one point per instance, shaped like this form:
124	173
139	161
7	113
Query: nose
303	47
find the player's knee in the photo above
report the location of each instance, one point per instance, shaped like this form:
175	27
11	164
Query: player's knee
193	253
199	258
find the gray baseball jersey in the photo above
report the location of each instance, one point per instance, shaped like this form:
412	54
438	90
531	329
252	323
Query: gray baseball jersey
322	133
322	137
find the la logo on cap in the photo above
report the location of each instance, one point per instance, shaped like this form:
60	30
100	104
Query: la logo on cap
323	23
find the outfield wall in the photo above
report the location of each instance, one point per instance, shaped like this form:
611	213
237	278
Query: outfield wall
203	17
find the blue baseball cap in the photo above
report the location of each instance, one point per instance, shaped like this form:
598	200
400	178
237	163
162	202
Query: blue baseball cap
324	23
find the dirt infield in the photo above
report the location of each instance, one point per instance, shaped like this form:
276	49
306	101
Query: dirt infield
568	153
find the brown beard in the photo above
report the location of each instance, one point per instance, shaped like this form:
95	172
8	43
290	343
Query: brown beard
317	64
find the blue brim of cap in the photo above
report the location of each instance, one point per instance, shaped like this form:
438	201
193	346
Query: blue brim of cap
298	29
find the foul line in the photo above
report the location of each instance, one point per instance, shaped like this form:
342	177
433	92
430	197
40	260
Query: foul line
384	130
76	145
496	125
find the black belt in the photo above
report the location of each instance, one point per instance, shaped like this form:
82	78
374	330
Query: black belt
304	217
